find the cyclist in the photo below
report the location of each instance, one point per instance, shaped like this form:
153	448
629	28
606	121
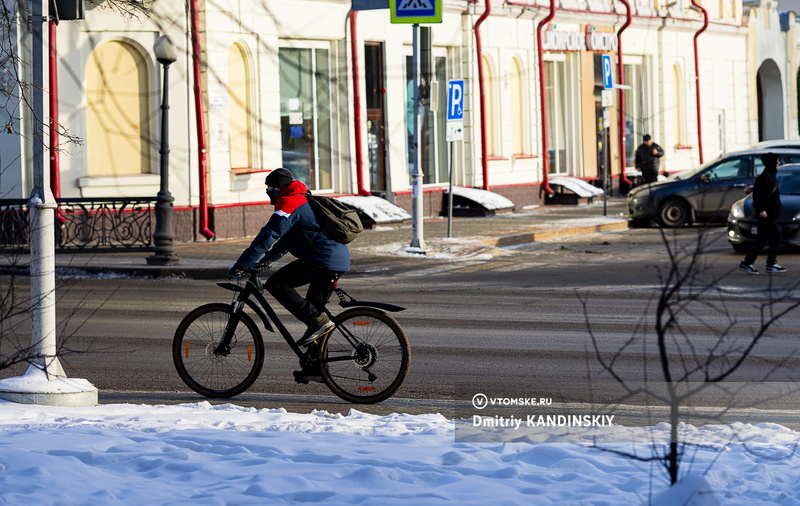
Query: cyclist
294	228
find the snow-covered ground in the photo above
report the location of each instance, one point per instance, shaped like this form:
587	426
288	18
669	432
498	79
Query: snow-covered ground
225	454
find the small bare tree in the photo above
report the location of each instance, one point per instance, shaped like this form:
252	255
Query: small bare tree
697	338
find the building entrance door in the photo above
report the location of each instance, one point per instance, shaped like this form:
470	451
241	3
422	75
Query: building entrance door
376	124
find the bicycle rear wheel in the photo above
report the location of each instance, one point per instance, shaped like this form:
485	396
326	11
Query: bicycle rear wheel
208	370
366	357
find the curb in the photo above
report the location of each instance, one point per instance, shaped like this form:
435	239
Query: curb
515	238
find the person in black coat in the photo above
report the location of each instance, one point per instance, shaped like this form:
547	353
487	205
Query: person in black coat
767	209
647	159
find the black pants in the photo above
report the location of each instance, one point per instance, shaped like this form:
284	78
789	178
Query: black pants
769	234
282	286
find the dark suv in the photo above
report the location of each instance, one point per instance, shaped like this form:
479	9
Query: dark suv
704	194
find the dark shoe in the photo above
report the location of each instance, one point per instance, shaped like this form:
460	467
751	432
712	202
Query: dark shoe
774	268
748	268
317	328
305	376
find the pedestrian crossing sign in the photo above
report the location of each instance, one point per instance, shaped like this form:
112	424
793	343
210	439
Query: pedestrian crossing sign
415	11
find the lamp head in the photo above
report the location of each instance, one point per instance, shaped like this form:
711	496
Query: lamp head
164	50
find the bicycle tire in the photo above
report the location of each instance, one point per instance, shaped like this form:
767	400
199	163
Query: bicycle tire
385	353
212	374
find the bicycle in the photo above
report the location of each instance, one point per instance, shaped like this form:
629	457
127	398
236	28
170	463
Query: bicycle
218	349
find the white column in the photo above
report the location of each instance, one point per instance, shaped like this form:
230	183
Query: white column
45	381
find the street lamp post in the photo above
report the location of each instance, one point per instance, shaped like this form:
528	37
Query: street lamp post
166	54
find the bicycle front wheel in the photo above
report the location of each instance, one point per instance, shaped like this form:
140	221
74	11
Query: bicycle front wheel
208	368
366	357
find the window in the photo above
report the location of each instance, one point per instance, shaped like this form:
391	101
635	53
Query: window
118	121
519	128
306	138
729	169
239	109
637	116
563	134
679	114
434	143
490	81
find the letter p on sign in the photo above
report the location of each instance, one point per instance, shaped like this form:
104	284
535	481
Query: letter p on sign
455	100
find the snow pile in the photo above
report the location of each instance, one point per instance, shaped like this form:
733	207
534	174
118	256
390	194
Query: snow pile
577	186
203	454
486	199
380	210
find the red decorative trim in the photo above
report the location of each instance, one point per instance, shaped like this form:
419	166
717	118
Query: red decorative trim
522	156
681	146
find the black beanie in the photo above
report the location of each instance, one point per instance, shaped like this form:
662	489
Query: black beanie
279	178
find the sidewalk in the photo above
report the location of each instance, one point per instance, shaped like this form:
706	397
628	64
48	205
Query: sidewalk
471	236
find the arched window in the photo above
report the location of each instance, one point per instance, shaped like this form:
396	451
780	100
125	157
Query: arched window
118	122
518	125
679	115
490	82
239	109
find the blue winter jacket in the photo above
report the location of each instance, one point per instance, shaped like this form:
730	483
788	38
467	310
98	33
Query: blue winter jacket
293	228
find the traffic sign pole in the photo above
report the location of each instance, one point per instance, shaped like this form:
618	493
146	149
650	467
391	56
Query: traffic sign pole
414	12
455	132
417	222
450	194
608	84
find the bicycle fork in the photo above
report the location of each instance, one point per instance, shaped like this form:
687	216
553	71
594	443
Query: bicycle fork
224	346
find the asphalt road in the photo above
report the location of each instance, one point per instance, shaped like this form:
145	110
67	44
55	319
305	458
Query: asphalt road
518	323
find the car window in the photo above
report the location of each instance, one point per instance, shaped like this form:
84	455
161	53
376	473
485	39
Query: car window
737	167
785	158
789	183
759	165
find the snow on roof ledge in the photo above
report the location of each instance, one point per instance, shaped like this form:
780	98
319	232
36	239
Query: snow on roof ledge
378	209
486	199
577	186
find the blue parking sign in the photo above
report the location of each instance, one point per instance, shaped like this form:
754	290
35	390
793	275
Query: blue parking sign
455	100
608	80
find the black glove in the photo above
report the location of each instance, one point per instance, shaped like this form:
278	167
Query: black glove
263	264
236	270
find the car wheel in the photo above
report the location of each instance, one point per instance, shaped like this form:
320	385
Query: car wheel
673	213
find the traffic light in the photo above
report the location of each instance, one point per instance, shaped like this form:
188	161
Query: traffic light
66	10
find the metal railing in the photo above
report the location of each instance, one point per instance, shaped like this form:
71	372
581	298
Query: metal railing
97	224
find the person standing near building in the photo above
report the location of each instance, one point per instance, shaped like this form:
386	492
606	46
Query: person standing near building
767	209
647	158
